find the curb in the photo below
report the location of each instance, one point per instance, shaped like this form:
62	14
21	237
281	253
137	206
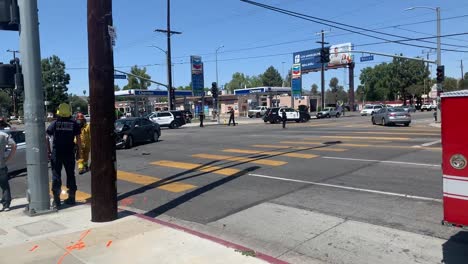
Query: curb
223	242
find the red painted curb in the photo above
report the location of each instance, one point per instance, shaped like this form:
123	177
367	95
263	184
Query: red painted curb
223	242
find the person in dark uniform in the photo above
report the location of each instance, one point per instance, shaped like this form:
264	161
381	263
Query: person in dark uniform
284	118
64	131
231	117
201	116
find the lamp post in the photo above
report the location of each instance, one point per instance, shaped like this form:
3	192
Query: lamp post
217	82
439	59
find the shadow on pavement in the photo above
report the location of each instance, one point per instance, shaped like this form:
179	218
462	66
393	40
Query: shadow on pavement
455	250
190	195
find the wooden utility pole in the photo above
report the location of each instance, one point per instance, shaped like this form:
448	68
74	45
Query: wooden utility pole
101	84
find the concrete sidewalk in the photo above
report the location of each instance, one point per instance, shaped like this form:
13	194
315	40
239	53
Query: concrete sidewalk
70	237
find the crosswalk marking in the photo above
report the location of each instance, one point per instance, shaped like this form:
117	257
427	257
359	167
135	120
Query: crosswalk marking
361	145
79	195
300	148
398	133
241	159
147	180
368	138
195	166
293	155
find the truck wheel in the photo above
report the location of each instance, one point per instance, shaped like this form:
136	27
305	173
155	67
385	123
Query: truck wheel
250	116
277	120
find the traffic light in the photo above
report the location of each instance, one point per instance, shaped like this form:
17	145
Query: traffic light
214	90
7	75
9	15
325	55
440	74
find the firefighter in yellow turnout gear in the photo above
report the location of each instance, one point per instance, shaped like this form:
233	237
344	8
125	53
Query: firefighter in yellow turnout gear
85	147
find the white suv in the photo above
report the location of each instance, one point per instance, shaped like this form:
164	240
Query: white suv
370	109
171	119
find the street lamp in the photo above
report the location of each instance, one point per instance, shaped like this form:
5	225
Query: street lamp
437	9
217	81
439	60
216	53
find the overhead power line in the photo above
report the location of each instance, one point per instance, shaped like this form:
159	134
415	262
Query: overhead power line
327	23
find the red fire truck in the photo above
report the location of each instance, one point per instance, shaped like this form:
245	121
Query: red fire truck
454	108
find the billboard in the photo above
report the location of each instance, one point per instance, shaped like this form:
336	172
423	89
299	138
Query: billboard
340	54
308	59
198	82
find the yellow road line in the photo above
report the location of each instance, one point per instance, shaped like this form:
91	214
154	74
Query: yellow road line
399	133
147	180
293	155
79	195
300	148
241	159
367	138
349	139
194	166
361	145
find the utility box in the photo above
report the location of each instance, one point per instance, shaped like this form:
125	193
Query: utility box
454	157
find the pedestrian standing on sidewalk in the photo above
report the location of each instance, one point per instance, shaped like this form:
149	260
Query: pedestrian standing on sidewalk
201	116
231	117
64	131
284	118
85	146
5	142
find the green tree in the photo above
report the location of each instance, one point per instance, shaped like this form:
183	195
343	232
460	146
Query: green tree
116	87
54	81
5	104
450	84
238	81
78	104
135	82
254	81
463	84
314	89
288	80
334	84
271	77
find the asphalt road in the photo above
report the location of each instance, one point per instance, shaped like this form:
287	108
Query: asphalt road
344	167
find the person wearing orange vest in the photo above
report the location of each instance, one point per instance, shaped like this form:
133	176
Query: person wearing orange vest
85	146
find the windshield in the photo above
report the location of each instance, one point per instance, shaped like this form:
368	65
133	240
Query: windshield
258	108
391	110
368	107
122	122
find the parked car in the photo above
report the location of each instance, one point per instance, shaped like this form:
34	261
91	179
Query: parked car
370	109
428	107
274	115
171	119
391	116
257	112
135	129
328	112
18	163
407	108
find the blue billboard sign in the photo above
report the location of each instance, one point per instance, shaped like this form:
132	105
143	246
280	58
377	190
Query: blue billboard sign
248	91
308	59
198	82
296	87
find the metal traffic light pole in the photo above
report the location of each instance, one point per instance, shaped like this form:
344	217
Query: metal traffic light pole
322	83
36	154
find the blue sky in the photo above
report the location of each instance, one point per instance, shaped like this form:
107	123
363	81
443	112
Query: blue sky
251	36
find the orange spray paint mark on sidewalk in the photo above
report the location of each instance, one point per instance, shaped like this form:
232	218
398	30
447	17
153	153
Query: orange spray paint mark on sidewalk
79	245
127	201
109	243
34	248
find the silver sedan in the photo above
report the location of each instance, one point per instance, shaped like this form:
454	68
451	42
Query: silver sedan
391	116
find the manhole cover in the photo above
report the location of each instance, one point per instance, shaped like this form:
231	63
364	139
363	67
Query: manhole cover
40	228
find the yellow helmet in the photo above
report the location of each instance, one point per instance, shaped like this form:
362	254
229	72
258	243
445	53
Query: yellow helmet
64	110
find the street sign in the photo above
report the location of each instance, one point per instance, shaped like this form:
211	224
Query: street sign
120	76
367	58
